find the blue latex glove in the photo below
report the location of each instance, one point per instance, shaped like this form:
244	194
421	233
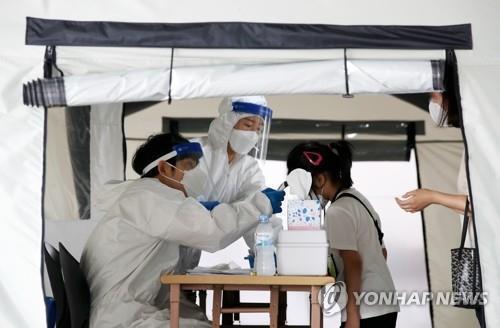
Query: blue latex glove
210	205
276	198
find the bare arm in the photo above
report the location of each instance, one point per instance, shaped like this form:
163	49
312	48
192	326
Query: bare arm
419	199
353	266
452	201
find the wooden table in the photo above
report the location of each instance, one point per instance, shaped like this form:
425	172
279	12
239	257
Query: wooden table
217	283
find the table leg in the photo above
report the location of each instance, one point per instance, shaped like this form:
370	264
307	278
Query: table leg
229	300
202	294
282	309
175	293
273	307
315	308
216	306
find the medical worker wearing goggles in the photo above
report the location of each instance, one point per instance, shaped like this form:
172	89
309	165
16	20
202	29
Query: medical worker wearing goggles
242	127
237	139
145	223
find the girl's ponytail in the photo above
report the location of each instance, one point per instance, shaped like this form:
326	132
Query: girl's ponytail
342	150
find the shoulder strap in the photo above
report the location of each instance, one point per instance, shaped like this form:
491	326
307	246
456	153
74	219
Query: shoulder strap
379	231
465	224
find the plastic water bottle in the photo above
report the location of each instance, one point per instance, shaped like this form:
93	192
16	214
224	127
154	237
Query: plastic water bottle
264	248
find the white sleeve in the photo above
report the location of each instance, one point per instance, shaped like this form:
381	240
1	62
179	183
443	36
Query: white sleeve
342	229
188	223
252	179
277	225
249	238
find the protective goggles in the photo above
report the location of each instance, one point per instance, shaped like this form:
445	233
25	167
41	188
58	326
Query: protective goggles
254	109
181	150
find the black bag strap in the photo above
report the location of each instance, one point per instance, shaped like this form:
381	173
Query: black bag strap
465	224
379	231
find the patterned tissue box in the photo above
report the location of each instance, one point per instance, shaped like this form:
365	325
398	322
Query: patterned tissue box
304	215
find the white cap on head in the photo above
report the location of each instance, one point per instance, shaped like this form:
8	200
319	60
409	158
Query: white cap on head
221	127
226	104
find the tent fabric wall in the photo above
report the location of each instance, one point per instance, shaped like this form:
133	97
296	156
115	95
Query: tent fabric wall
21	129
78	134
106	149
480	101
438	165
78	166
21	176
60	198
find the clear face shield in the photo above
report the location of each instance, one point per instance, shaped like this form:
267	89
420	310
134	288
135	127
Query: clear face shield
195	179
251	133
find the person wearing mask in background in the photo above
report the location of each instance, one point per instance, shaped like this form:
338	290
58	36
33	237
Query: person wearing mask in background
145	223
353	229
443	109
444	113
243	126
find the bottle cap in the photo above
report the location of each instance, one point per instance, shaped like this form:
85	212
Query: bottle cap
263	218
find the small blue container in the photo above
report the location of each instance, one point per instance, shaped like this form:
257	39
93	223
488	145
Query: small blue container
251	260
50	306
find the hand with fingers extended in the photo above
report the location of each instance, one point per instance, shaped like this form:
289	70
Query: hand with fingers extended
416	200
276	198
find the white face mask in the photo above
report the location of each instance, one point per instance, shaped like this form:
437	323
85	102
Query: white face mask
322	200
194	181
243	141
437	114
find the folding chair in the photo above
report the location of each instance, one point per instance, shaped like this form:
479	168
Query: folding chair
77	289
53	265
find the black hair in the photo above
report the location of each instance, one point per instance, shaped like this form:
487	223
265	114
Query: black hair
155	147
336	161
450	98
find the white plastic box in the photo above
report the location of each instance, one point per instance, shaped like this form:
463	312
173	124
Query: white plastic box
302	252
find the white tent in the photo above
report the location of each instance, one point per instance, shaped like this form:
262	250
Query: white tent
115	58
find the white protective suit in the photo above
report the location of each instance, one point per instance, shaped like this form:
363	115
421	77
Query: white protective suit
243	177
237	181
139	239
